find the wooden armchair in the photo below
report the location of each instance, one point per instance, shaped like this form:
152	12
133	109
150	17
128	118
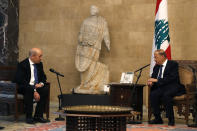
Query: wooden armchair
9	94
187	78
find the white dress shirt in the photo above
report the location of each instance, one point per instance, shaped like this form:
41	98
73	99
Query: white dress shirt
32	80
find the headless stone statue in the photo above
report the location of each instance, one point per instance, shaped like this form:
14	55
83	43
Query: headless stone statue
94	74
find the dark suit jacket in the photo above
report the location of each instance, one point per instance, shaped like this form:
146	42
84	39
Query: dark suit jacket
170	78
23	73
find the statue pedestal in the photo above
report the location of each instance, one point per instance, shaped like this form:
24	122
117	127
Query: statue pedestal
85	99
85	91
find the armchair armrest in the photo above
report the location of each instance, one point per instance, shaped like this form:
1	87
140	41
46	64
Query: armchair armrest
47	84
190	88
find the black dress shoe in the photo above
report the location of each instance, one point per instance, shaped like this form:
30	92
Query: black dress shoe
1	128
171	123
155	121
41	120
192	125
30	121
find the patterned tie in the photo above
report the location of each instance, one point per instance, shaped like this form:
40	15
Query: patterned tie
35	74
160	72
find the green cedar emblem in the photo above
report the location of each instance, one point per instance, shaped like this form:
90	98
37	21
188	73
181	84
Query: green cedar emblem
161	32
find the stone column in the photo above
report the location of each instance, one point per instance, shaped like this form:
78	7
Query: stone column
9	27
9	31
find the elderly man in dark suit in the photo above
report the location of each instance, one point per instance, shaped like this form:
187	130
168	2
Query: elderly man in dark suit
31	79
165	84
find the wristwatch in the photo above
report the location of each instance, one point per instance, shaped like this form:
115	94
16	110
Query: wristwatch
34	90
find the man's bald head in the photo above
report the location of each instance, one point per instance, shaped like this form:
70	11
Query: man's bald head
34	51
35	54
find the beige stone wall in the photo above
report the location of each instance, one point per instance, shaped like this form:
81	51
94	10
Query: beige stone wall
53	25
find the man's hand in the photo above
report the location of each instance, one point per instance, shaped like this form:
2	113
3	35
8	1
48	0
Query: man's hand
39	85
36	96
151	81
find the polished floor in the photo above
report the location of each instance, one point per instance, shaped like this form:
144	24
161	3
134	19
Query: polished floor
11	125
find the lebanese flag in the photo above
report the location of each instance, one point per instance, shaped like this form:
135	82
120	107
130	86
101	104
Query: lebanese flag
161	38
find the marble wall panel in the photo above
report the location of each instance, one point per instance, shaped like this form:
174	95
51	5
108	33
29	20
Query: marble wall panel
8	32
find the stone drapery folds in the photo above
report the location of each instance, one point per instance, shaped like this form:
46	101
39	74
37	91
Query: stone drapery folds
94	74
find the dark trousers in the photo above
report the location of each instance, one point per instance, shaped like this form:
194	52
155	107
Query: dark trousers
28	93
165	96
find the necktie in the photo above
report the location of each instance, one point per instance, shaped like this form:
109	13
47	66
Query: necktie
160	72
35	74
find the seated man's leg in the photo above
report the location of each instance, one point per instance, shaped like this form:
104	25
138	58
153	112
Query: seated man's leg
43	92
167	100
28	100
155	98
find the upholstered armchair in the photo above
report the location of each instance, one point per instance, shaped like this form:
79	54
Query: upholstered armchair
9	94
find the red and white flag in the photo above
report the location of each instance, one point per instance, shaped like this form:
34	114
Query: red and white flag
161	38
